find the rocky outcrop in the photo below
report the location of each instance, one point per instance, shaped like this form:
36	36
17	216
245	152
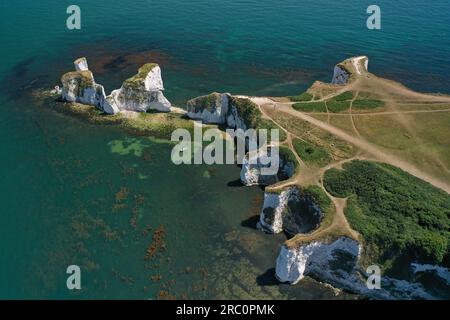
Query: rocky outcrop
142	92
291	210
225	109
253	165
80	86
81	64
336	262
344	71
212	108
315	257
340	75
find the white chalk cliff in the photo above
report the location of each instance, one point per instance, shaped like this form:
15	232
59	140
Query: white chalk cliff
353	66
336	262
220	108
252	171
80	86
291	210
142	92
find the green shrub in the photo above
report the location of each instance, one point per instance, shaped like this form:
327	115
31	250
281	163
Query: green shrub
347	95
367	104
310	107
338	106
305	96
310	153
247	110
319	197
401	217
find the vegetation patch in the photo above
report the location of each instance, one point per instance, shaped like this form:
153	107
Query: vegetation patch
137	81
347	95
159	125
269	125
288	156
310	153
247	110
401	218
310	107
208	102
319	197
338	106
305	96
367	104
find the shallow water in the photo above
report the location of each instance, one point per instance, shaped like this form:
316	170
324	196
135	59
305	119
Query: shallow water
75	193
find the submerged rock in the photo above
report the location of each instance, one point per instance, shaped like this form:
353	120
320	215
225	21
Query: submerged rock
291	211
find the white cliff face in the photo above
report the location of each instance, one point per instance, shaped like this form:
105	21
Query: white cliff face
251	171
141	93
153	80
234	119
340	75
81	64
441	272
212	108
255	167
291	211
217	108
271	217
337	263
315	257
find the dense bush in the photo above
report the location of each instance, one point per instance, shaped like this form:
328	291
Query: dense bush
310	107
347	95
338	106
305	96
309	152
367	104
401	217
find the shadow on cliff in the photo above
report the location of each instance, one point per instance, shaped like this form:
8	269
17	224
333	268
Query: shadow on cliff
235	183
267	278
250	222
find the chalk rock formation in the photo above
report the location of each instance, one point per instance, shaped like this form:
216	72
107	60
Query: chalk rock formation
336	262
142	92
80	86
212	108
81	64
346	69
223	108
252	171
291	210
294	263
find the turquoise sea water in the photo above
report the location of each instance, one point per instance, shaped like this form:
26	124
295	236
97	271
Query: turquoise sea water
74	193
